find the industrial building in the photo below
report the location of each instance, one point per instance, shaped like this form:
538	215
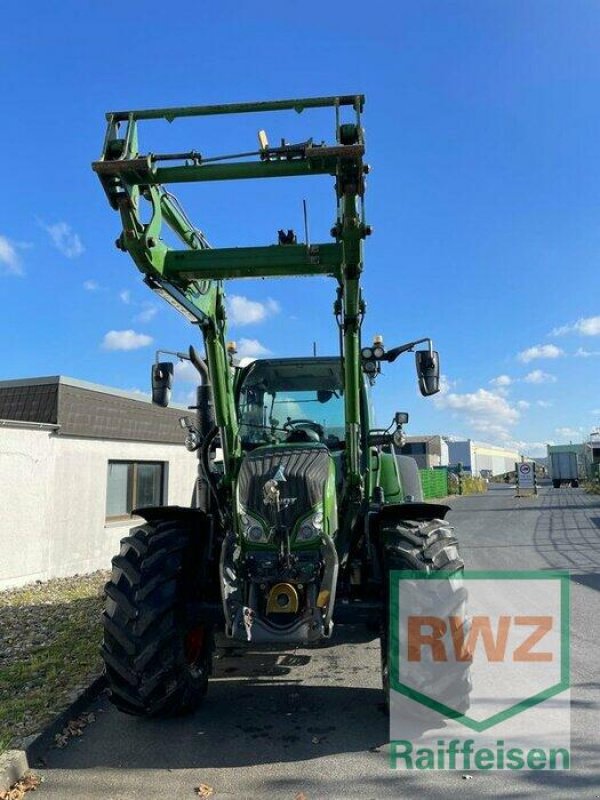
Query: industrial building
428	451
75	460
480	458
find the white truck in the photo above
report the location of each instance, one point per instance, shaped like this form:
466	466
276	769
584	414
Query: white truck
564	468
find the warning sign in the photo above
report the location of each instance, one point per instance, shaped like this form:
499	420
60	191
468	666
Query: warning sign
526	475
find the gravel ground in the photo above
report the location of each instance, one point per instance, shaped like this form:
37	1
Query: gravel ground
49	639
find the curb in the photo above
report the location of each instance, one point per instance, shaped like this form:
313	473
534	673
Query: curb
15	764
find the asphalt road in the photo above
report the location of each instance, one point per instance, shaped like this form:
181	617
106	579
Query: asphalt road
281	722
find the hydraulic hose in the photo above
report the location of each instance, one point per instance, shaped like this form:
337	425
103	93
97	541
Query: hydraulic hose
205	464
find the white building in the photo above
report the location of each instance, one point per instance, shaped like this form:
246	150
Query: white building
428	451
75	459
479	457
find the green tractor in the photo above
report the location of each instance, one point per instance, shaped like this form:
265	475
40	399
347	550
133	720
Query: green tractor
301	508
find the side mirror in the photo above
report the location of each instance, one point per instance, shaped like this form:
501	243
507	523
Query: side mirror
428	371
162	382
324	395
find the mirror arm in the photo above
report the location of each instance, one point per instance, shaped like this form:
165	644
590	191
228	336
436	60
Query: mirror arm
191	356
393	354
180	356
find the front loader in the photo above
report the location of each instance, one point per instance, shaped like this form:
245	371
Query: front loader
302	508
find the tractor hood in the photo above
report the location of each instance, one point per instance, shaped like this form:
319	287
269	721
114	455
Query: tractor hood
301	471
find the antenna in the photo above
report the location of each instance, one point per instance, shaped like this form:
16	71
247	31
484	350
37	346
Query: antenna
314	349
306	232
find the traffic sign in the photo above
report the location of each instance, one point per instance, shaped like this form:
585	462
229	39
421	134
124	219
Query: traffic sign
526	475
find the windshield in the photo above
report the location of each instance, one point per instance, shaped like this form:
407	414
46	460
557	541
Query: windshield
292	399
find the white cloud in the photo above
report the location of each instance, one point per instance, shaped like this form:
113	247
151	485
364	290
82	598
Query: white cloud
125	296
91	286
539	351
243	311
251	348
125	340
532	449
64	238
595	411
186	371
10	263
139	393
501	381
523	404
486	412
570	433
583	353
586	326
589	326
544	403
446	385
539	376
147	313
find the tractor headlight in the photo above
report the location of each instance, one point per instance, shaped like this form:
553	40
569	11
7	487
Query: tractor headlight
370	367
398	437
192	441
310	528
253	530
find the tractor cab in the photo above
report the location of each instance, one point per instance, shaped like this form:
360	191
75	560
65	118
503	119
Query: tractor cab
292	400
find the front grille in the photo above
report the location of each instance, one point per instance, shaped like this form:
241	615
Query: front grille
305	470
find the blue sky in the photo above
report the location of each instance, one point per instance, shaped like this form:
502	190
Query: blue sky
482	123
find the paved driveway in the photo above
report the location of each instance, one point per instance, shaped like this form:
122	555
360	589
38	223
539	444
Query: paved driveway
281	722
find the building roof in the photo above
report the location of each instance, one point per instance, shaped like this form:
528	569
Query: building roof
50	380
79	408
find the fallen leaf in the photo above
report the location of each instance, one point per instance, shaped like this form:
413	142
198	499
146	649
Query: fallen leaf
301	796
204	790
17	792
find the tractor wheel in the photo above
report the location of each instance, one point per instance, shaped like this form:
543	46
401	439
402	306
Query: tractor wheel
427	547
157	657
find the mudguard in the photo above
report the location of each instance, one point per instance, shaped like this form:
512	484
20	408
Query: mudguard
419	512
154	513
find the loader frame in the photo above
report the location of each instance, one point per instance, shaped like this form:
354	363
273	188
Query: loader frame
191	279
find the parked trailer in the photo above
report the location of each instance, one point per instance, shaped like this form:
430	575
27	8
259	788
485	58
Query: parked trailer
564	469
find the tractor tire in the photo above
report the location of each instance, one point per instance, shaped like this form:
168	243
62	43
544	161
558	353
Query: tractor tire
427	547
157	657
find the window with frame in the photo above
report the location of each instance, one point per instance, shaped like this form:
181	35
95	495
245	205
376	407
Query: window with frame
133	484
414	449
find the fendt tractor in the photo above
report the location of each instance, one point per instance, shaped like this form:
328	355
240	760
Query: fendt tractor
302	508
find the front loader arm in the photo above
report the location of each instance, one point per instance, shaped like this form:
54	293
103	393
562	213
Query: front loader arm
191	279
200	301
